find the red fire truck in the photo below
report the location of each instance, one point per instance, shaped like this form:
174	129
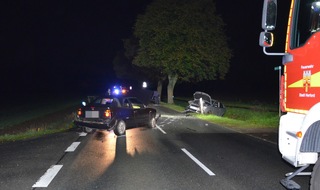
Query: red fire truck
299	128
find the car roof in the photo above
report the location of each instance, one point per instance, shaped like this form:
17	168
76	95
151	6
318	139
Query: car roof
119	97
143	95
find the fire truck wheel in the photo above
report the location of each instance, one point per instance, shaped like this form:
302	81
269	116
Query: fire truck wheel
120	128
315	177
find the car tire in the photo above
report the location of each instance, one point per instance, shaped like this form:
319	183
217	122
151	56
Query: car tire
120	128
152	122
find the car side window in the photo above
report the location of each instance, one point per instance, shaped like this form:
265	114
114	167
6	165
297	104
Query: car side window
115	103
126	103
136	104
104	101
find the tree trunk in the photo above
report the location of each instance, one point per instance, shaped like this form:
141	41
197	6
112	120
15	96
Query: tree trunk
159	88
172	82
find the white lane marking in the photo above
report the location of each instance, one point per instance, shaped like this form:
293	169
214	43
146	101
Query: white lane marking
72	147
176	116
46	179
198	162
161	129
83	134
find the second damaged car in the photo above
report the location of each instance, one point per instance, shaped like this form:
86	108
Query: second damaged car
115	113
202	103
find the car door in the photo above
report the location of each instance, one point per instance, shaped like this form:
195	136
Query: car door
141	114
128	113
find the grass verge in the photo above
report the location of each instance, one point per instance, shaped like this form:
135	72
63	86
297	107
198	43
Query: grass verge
239	115
29	134
48	124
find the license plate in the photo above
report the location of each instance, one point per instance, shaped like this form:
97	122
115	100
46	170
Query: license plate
92	114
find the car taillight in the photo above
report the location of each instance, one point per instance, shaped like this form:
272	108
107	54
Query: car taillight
79	112
107	113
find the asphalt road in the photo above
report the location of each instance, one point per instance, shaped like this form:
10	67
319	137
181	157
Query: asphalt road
181	153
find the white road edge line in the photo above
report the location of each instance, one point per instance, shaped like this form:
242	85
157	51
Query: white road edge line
161	129
83	134
72	147
46	179
198	162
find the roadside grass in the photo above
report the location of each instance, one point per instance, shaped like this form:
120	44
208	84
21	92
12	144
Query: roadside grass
12	114
40	129
238	114
30	117
29	134
243	118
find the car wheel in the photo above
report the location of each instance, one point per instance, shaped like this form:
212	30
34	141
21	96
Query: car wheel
152	122
120	128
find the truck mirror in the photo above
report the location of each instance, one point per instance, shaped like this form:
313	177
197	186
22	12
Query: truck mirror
266	39
315	17
269	14
316	6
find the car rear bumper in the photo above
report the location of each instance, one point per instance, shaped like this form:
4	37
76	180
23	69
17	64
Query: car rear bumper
94	124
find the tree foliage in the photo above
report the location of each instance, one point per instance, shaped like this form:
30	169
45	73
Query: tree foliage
183	38
131	46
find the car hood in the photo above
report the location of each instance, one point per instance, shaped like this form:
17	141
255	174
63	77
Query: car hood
204	96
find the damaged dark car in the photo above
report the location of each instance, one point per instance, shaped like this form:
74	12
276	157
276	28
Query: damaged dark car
115	113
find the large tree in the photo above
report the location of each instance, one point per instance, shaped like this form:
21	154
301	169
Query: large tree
183	40
131	46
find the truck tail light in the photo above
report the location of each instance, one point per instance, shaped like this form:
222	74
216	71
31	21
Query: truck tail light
79	112
107	113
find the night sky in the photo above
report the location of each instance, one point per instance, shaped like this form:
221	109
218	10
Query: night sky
68	46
